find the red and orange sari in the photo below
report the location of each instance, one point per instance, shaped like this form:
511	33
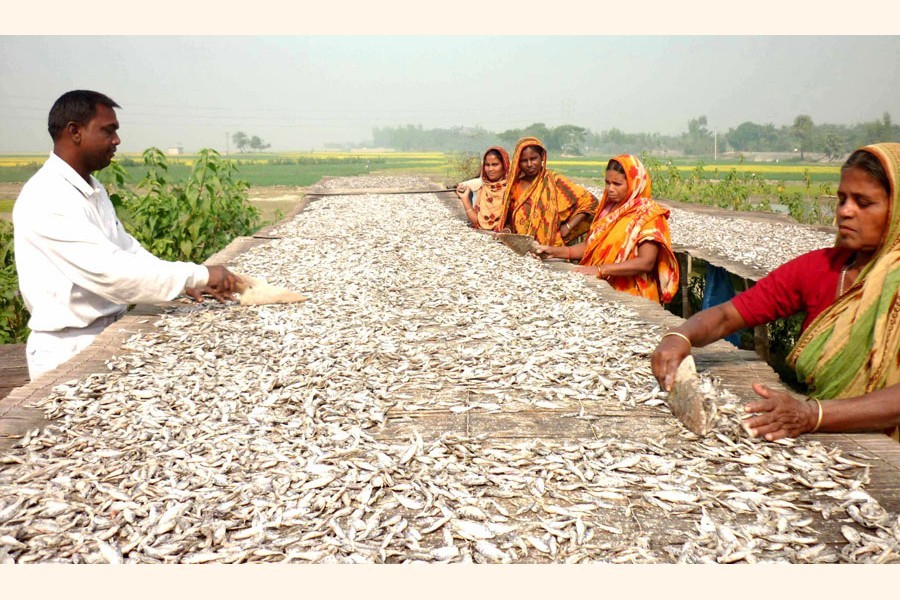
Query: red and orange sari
616	234
538	207
489	200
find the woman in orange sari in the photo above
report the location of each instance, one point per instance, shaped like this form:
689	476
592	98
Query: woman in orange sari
488	189
542	203
629	244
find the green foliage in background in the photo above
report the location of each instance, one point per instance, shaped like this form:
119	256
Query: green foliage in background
462	166
739	190
186	220
13	314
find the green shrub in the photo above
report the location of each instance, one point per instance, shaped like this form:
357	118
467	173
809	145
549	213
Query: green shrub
190	220
13	314
463	166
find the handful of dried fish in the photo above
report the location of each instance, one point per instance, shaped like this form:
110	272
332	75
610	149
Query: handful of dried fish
255	291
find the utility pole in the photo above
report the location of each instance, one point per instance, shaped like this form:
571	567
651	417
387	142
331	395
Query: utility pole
227	135
715	145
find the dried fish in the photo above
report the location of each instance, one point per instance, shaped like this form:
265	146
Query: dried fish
307	433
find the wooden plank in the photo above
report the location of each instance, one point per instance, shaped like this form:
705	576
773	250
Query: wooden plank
13	368
685	266
761	342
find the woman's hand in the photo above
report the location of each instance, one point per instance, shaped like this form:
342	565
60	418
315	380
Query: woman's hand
669	353
780	414
584	270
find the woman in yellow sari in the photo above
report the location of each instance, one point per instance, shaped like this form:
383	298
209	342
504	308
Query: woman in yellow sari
488	189
542	203
629	243
849	351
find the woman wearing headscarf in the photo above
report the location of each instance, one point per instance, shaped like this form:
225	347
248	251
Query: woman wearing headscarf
849	351
542	203
488	189
629	244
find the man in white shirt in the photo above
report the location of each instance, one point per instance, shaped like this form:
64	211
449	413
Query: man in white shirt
78	268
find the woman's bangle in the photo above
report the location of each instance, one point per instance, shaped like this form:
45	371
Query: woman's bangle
600	272
566	225
819	420
681	335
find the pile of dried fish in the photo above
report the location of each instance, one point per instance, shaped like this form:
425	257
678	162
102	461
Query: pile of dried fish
381	421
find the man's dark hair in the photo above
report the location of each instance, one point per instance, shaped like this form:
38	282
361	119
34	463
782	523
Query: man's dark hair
868	162
77	106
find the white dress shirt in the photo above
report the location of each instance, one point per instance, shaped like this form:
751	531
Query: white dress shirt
75	261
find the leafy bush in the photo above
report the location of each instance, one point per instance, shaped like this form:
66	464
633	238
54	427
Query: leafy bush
463	166
734	190
13	314
190	220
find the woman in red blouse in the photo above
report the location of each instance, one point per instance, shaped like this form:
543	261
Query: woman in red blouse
849	351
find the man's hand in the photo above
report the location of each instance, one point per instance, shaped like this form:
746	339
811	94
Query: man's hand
221	285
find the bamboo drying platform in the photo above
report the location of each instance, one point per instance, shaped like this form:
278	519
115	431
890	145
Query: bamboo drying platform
737	370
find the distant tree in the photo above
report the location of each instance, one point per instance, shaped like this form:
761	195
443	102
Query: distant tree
834	148
745	137
698	139
257	144
616	136
887	128
569	138
510	137
541	132
804	129
240	140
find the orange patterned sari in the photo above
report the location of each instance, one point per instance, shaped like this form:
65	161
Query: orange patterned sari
616	235
489	201
538	207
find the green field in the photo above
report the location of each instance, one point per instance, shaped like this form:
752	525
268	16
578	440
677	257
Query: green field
289	169
302	169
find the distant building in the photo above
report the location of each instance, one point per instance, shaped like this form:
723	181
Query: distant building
175	150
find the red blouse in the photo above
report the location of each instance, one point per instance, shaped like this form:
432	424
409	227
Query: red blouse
807	283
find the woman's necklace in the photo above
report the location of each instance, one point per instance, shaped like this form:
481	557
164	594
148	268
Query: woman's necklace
846	268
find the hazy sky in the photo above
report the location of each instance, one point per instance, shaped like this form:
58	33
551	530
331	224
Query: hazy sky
299	92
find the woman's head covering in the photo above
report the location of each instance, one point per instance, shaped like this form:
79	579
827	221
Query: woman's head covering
538	208
889	157
617	233
489	198
504	159
852	348
523	143
637	176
